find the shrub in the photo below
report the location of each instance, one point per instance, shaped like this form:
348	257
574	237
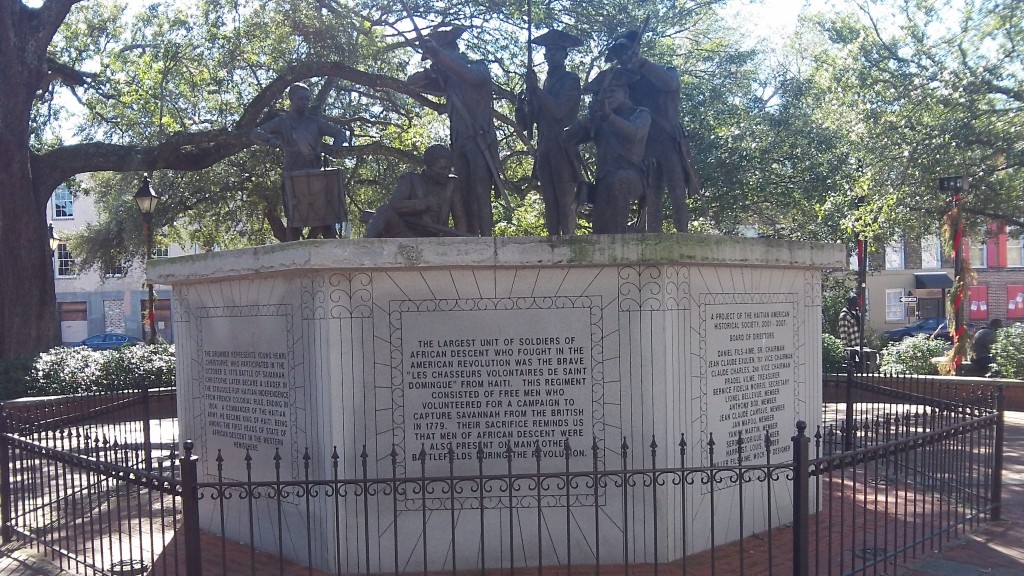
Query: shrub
833	355
133	367
1008	351
913	355
79	370
64	371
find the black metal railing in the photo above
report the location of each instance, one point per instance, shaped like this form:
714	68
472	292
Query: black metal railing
143	417
925	467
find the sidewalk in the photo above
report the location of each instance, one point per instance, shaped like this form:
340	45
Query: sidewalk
994	549
16	561
997	548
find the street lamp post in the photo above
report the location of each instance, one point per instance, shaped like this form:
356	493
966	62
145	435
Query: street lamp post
147	201
55	263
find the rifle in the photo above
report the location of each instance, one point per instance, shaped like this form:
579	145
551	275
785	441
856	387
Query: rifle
529	66
628	57
491	162
635	50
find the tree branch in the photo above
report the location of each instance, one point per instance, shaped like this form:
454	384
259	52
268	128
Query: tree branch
67	75
192	151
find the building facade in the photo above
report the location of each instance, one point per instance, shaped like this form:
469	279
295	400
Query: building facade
910	279
97	301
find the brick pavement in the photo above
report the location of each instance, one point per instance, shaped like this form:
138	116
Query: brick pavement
994	549
16	560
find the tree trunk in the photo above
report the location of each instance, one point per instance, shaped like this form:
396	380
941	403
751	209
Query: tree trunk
28	306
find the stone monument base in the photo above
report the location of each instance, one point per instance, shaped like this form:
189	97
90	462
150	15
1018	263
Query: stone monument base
444	355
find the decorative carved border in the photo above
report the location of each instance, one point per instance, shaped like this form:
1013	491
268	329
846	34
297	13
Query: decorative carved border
337	296
651	288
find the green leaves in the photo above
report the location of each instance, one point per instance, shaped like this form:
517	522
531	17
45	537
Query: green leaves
877	102
1008	351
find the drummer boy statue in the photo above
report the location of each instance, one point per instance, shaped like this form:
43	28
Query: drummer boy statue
299	136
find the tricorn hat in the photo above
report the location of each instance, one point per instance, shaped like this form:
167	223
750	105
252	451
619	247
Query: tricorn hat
617	76
620	44
558	38
446	36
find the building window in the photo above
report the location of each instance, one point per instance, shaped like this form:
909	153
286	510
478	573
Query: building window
114	271
160	252
979	303
65	263
73	311
894	309
1014	255
931	252
63	204
894	255
979	252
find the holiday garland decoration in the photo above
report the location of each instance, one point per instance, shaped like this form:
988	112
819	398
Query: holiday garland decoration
963	274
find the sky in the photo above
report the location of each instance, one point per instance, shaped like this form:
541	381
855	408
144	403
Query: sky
767	18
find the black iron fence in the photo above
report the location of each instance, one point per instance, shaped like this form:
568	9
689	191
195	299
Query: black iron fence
923	466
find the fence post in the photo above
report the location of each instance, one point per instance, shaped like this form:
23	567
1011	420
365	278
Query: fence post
5	479
997	464
801	500
147	438
190	511
848	436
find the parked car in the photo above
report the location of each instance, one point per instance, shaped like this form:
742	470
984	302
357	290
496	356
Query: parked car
933	327
109	340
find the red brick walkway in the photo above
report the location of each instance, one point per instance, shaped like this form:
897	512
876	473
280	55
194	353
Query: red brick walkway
843	536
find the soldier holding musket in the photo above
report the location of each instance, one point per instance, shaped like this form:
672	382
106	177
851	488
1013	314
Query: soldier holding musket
467	89
619	130
553	108
667	156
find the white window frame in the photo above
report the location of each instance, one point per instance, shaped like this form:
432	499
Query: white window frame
979	252
895	310
62	197
1014	244
114	271
894	257
931	252
65	262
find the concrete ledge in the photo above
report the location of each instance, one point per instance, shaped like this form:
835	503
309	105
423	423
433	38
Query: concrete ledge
98	408
1013	390
501	252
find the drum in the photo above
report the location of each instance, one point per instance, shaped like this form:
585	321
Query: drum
314	197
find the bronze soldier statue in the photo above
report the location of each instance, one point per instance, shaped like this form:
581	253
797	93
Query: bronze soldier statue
299	135
467	89
619	131
421	203
554	108
669	161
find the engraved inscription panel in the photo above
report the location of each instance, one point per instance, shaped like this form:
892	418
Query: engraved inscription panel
492	380
751	376
246	390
